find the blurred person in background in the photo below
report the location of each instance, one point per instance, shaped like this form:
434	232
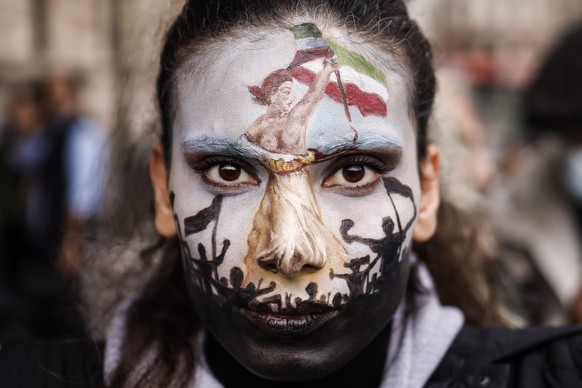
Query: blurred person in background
60	162
81	171
23	122
461	134
538	200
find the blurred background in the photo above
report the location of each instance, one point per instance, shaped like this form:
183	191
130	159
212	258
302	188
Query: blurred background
76	73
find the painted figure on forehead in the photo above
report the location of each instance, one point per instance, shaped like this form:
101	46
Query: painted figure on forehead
283	128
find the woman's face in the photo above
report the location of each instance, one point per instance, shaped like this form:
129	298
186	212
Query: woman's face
283	96
294	262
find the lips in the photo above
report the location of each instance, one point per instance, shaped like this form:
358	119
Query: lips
289	322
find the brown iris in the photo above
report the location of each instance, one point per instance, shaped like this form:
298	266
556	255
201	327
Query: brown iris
354	173
229	172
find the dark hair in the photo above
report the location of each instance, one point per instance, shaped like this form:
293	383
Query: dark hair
163	317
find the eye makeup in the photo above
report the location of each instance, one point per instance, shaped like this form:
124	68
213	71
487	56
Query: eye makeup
224	174
358	174
354	175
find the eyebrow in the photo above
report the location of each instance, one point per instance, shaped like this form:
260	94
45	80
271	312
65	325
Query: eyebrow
368	141
213	145
373	142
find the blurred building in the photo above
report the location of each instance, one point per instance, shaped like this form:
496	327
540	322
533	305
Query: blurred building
112	43
517	32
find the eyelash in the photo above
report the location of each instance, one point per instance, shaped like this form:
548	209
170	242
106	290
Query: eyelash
204	166
366	161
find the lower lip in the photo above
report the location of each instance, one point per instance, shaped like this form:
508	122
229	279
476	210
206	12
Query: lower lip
288	326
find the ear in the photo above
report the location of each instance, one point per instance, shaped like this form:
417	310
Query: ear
164	213
430	197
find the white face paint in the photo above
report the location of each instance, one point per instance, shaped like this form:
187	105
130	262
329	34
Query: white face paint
295	195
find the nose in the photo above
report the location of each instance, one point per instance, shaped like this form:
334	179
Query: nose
288	235
288	265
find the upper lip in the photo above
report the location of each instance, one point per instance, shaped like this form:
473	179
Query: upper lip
303	308
289	322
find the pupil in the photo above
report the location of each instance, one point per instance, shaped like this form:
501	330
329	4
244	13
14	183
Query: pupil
353	174
228	172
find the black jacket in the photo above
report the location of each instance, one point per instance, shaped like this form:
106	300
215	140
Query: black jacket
492	357
500	357
51	364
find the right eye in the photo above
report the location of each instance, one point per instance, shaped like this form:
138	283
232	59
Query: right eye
228	175
355	175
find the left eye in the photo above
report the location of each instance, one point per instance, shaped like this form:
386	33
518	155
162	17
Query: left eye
353	179
353	174
229	174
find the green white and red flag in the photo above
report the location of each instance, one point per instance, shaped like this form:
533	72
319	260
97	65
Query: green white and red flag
364	86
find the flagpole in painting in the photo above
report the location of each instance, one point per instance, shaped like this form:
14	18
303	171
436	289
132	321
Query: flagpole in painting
365	86
345	102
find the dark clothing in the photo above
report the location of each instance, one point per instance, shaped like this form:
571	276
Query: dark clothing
492	357
54	364
36	301
52	181
500	357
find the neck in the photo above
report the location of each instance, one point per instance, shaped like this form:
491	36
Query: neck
277	110
364	370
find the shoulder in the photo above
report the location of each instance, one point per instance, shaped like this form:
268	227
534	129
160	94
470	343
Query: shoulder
498	356
55	364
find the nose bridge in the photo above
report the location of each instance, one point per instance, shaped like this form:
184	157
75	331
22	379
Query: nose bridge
288	233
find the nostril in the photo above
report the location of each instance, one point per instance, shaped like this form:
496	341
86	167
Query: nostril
268	261
296	260
308	268
269	265
291	266
287	265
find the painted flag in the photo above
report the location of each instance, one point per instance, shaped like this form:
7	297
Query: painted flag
200	220
364	85
394	186
310	45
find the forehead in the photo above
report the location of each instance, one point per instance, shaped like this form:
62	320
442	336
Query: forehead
213	86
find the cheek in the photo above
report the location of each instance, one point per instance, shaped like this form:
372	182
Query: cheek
235	225
228	224
367	214
234	222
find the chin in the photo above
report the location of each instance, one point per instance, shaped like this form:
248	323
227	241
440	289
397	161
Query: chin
304	355
290	363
